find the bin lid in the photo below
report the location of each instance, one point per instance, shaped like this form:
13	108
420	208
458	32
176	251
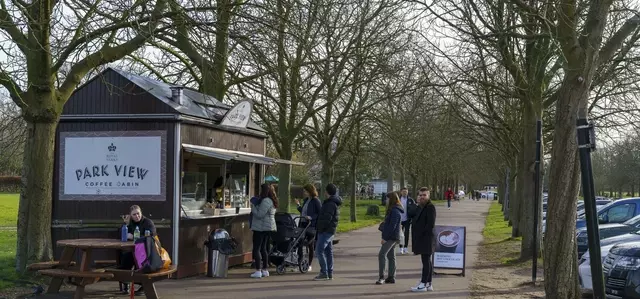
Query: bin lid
220	234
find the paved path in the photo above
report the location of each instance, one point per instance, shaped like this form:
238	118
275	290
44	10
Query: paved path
355	270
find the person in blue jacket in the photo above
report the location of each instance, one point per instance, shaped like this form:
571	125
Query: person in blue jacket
390	238
309	210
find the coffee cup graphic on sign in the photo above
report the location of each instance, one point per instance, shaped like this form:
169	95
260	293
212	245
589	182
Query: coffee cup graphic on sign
448	241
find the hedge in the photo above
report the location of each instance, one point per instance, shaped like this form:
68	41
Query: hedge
9	184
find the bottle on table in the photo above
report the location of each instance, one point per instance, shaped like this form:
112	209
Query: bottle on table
136	233
147	233
124	233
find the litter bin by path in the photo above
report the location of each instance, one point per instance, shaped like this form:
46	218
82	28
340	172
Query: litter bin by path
219	246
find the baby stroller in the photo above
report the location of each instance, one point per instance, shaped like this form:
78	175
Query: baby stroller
288	241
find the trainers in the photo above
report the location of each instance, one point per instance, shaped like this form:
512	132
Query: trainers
257	274
400	250
406	250
265	273
330	276
321	277
310	269
380	280
429	287
390	280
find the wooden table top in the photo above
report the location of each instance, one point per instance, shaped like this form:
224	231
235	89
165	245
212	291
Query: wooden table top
96	243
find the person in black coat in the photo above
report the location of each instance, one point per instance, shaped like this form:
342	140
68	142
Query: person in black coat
134	220
309	211
326	227
423	237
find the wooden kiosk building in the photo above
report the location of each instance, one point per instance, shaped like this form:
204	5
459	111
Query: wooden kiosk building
124	139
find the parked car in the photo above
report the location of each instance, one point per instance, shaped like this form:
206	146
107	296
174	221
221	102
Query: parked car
605	231
622	271
584	268
616	212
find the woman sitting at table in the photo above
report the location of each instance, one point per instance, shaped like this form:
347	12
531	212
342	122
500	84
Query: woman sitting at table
134	220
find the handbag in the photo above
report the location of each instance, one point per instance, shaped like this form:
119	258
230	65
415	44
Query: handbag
164	255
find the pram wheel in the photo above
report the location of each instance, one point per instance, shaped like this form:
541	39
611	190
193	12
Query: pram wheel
304	266
281	269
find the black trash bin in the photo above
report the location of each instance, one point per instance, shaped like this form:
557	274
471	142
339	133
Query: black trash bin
219	246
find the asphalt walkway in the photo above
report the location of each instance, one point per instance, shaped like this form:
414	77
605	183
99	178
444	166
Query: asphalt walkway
356	263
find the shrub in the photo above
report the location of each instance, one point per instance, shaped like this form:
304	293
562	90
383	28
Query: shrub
373	210
9	184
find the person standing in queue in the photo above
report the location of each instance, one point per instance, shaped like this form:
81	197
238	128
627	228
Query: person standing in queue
409	209
309	211
326	227
390	229
423	238
263	223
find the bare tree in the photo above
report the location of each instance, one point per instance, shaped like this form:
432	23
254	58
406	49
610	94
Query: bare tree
12	133
51	46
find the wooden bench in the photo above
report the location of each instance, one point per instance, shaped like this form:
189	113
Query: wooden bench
78	278
46	265
145	279
105	263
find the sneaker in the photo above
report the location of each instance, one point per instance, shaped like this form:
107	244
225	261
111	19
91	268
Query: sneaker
406	250
310	269
380	280
390	280
400	250
429	287
321	277
422	287
330	276
265	273
257	274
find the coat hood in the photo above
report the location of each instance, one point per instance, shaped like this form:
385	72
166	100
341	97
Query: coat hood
335	199
399	208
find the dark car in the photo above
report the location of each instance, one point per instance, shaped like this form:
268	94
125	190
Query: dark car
621	270
606	231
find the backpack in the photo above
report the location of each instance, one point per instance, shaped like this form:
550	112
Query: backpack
147	256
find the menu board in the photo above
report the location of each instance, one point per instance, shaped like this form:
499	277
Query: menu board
450	246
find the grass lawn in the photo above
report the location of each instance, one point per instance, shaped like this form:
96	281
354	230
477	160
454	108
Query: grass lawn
345	225
498	245
8	209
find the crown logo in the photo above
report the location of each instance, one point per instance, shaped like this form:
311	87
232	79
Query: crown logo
112	148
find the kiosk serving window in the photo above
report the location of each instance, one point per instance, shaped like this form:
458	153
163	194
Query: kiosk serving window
194	191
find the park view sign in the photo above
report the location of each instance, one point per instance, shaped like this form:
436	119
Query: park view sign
239	115
113	165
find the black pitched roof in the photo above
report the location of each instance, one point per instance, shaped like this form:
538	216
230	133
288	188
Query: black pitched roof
195	103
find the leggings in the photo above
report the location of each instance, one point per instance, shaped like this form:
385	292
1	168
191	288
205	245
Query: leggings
260	255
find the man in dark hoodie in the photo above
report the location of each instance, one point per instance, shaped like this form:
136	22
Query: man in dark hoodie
326	226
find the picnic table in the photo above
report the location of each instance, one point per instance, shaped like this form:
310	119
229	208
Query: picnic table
84	274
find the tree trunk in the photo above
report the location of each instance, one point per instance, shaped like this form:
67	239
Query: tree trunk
354	165
34	214
326	176
528	191
560	254
284	176
516	199
390	177
403	177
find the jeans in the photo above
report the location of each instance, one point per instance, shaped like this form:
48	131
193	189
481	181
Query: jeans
387	252
406	226
448	203
427	268
324	252
260	255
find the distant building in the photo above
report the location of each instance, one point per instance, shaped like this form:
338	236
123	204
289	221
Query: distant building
380	186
